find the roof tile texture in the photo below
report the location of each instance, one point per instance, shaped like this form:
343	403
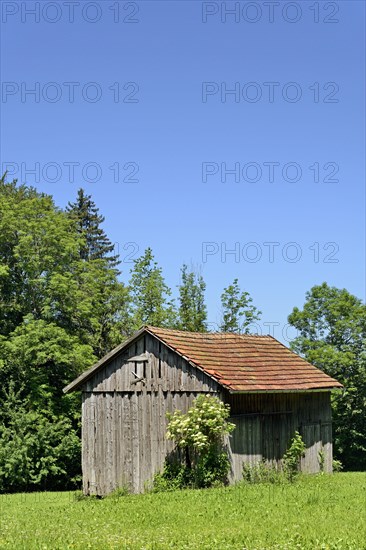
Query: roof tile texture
245	362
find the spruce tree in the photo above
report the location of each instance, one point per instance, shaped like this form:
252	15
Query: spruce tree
96	244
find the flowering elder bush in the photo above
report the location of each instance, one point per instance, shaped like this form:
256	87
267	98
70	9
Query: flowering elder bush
200	434
204	425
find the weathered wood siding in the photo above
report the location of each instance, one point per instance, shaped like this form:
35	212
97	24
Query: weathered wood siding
124	440
164	369
265	424
124	419
124	423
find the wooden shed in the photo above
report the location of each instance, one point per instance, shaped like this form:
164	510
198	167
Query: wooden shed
125	396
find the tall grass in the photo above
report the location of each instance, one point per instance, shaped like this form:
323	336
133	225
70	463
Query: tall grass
323	512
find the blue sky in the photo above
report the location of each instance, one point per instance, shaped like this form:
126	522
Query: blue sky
150	95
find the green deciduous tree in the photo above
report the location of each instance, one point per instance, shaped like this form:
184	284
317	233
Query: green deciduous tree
60	310
332	336
192	313
37	242
238	313
39	426
44	271
90	302
41	358
150	296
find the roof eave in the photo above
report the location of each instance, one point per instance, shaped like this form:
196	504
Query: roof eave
313	390
84	377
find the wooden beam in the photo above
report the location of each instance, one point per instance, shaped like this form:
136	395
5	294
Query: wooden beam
138	358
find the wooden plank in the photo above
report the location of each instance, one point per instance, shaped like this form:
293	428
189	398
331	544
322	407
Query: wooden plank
135	443
85	415
127	424
327	447
117	437
161	439
150	430
109	482
122	440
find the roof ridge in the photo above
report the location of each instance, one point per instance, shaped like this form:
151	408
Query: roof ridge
152	328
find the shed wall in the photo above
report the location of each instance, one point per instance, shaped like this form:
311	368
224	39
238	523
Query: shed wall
265	424
124	421
124	440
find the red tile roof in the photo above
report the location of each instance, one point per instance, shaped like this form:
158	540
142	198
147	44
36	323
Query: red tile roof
246	362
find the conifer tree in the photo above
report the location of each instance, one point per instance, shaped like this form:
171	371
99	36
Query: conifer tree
96	244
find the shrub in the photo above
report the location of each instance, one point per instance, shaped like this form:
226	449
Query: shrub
203	426
212	468
38	452
337	465
202	459
292	457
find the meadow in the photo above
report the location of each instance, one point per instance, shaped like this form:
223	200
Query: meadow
325	512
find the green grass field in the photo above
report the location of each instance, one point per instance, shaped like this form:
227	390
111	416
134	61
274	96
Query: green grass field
318	512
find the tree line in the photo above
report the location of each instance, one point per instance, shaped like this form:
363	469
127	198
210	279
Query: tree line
63	306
